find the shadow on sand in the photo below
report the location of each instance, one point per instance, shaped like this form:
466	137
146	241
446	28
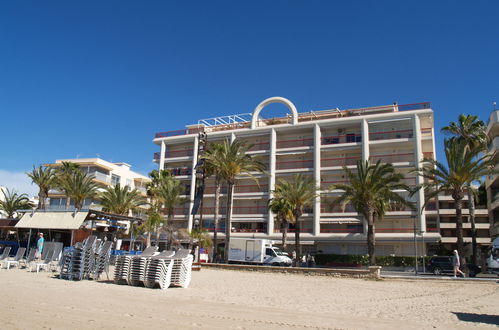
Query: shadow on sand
482	318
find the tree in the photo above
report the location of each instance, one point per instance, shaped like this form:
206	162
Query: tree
283	211
12	202
213	167
464	166
472	131
232	161
63	174
370	191
78	186
154	219
44	178
120	200
300	192
169	195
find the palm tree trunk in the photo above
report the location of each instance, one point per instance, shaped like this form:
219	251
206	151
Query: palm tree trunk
285	227
68	202
471	207
169	230
228	221
215	222
148	241
458	200
41	201
370	238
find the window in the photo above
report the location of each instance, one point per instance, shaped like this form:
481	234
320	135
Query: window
115	179
269	252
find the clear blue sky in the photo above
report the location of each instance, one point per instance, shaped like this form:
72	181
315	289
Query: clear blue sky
101	77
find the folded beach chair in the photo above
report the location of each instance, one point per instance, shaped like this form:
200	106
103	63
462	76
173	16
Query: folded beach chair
148	251
31	257
5	254
17	258
46	263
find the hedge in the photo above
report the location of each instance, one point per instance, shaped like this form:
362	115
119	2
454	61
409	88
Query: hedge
385	261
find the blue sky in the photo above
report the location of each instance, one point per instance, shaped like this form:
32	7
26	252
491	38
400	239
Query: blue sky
81	78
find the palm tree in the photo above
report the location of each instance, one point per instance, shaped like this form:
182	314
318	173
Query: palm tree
169	194
78	186
232	161
154	219
464	166
213	167
62	174
471	130
12	202
44	178
283	211
370	191
300	192
120	200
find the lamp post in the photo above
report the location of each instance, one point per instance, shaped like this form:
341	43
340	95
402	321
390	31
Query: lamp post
422	232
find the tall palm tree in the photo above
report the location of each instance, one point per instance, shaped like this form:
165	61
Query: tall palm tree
63	174
464	166
154	219
44	178
12	201
120	200
472	131
370	191
213	167
169	195
78	186
300	192
233	162
283	211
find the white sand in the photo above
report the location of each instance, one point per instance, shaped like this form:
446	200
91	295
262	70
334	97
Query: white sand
246	300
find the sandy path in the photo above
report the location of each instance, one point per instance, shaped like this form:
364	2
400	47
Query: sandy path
246	300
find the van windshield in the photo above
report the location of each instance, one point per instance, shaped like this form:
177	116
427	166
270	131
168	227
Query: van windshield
280	253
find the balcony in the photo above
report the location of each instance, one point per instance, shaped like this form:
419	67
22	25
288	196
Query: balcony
339	229
250	210
179	211
295	164
180	171
340	161
259	146
388	135
101	177
338	209
175	154
292	230
345	138
240	189
394	158
295	143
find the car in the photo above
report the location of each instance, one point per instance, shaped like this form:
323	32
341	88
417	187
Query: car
443	264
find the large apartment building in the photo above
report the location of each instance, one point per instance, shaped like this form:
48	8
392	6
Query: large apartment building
319	144
492	182
104	173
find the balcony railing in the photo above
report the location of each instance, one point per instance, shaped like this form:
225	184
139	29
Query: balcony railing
337	209
311	116
258	146
292	164
345	138
179	171
426	131
295	143
356	230
248	230
174	154
340	161
212	190
180	211
101	177
428	155
394	158
400	134
251	188
250	209
292	230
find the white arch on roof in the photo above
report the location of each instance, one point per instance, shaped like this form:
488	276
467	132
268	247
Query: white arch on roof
274	99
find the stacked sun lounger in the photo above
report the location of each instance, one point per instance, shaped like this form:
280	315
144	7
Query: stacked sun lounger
182	269
102	258
159	270
122	269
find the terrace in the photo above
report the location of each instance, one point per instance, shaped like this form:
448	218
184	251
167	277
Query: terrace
242	121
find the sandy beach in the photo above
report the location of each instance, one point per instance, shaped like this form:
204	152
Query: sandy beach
247	300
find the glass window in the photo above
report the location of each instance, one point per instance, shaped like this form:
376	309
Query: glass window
269	252
115	179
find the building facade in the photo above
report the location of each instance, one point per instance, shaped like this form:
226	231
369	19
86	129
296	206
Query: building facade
105	173
492	182
319	144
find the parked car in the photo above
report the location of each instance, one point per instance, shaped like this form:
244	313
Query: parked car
441	265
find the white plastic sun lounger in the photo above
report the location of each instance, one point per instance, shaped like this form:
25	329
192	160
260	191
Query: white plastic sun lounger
31	257
46	263
17	258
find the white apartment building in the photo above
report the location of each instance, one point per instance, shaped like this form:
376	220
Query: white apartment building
492	182
105	173
319	144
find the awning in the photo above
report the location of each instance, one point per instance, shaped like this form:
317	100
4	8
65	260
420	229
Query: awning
52	220
341	220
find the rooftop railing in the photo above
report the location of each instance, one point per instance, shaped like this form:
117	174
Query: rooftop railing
304	116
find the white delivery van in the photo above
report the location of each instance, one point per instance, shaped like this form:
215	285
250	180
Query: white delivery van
493	257
256	251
